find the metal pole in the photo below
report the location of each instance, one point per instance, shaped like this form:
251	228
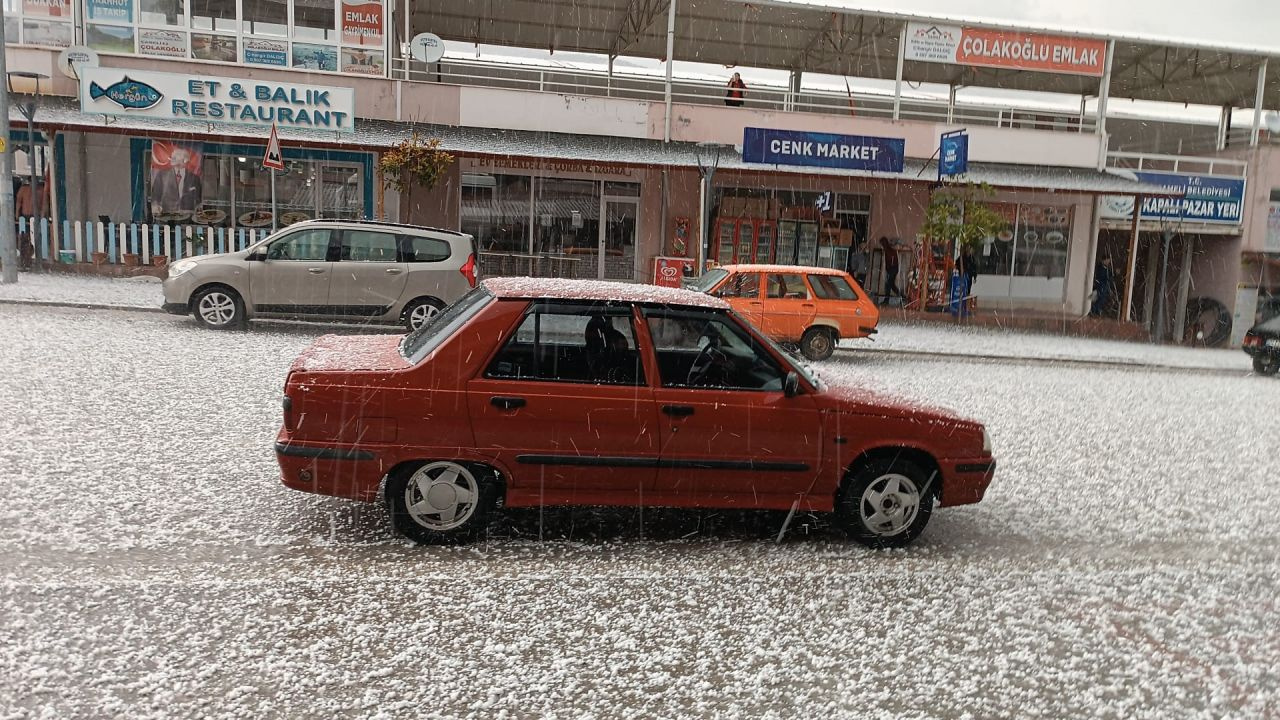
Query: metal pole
1131	271
1257	103
1159	332
8	243
274	218
897	83
951	104
31	164
671	43
1104	93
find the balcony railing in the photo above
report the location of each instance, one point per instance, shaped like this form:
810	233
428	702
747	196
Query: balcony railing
631	86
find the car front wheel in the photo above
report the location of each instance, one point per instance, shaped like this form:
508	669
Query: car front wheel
440	502
218	307
420	312
817	343
886	503
1266	365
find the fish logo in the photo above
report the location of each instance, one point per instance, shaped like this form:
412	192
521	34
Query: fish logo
128	94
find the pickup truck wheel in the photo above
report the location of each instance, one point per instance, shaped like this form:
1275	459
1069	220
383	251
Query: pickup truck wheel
1266	366
218	307
818	343
886	503
440	502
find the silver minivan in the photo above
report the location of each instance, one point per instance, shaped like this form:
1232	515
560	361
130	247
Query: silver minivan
328	270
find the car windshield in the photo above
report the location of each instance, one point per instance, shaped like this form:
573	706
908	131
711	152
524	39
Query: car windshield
709	280
419	343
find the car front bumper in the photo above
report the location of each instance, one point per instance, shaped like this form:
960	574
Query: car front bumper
966	480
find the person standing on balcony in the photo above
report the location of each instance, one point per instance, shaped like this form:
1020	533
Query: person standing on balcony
737	91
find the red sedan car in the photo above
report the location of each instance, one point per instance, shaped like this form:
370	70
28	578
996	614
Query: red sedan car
555	392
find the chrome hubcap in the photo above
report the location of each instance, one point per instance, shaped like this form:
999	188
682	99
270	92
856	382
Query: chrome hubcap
441	496
889	504
421	314
820	344
217	308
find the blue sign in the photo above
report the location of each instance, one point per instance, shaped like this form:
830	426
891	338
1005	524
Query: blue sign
957	298
116	10
953	154
1208	199
848	152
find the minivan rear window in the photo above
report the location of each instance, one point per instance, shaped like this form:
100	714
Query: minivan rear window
417	248
419	343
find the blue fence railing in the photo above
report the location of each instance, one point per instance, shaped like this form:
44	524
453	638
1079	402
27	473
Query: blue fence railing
130	243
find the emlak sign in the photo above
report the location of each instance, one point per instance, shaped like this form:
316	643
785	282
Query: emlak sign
1005	49
848	152
173	96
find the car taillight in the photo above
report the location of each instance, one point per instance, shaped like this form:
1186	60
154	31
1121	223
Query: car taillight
1252	340
287	406
468	269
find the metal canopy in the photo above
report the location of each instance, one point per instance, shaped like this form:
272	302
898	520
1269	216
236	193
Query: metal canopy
813	37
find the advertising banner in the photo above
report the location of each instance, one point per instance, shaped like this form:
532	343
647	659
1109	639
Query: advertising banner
1272	242
362	62
110	10
1006	49
362	23
1208	199
203	99
668	271
953	154
849	152
162	43
47	8
315	57
266	52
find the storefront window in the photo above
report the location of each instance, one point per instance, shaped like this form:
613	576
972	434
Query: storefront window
215	15
495	211
314	19
162	12
567	217
266	17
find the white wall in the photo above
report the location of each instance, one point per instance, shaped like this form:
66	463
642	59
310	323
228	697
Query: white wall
521	110
98	177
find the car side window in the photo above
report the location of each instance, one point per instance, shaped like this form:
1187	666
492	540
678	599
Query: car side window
832	287
307	245
741	285
424	249
787	285
579	343
704	349
368	246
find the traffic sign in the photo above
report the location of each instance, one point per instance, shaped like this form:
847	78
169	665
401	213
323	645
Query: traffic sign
272	159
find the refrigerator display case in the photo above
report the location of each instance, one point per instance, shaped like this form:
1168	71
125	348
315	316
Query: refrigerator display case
806	243
787	230
743	240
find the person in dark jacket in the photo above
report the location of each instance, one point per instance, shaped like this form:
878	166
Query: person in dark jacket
737	91
890	269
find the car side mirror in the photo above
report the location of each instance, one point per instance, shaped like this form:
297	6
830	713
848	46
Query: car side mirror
255	256
791	384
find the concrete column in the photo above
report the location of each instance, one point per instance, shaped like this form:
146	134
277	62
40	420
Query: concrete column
1184	288
671	43
1257	104
897	83
1131	271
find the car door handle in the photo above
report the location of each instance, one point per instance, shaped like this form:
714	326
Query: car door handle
677	410
394	271
807	305
315	271
507	403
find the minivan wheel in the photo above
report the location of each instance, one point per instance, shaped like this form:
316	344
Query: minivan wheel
818	343
886	503
421	311
440	502
1266	365
218	307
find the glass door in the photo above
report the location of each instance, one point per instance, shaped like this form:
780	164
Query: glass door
617	257
764	242
341	192
786	242
724	249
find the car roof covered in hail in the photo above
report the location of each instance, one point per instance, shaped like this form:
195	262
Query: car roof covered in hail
783	269
602	290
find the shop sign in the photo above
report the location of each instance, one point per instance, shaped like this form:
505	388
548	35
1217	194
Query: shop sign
362	61
315	57
362	23
847	152
953	154
162	43
1272	243
1006	49
266	52
173	96
47	8
1206	199
110	10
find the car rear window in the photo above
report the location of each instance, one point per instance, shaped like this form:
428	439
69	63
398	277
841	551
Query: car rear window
1272	325
832	287
419	343
425	249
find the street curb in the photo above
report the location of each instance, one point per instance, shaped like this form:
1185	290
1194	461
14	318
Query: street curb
80	305
1031	360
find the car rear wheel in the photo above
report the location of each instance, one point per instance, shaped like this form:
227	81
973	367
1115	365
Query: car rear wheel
440	502
218	307
886	503
1266	365
818	343
421	311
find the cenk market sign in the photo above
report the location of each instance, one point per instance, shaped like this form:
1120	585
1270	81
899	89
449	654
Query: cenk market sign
848	152
1007	49
170	96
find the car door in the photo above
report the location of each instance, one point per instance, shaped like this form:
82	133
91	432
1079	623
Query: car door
293	274
732	436
788	307
742	291
369	276
564	405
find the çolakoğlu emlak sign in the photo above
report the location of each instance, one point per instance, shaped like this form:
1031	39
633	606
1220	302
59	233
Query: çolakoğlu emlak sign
848	152
171	96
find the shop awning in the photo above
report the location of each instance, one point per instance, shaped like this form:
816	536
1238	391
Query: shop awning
555	152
